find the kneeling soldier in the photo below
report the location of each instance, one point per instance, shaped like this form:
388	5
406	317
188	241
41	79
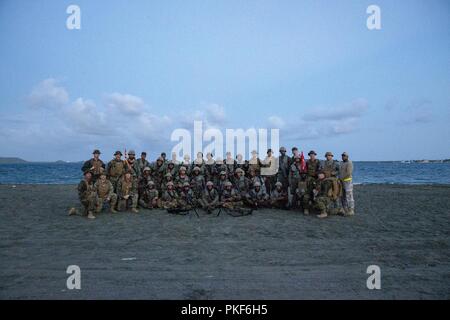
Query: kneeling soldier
257	197
127	193
323	195
105	193
210	198
186	201
87	195
149	198
170	197
279	197
230	199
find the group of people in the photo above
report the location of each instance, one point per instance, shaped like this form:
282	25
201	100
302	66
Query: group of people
284	182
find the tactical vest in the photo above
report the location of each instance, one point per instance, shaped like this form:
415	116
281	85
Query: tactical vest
103	188
97	165
328	168
126	187
117	168
312	167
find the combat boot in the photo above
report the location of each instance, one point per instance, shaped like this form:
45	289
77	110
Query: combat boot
72	211
113	210
322	215
90	215
306	212
350	212
134	210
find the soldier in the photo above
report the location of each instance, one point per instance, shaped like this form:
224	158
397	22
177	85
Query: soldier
115	169
149	199
322	195
210	198
330	168
241	183
279	197
158	172
210	167
254	178
144	179
294	179
199	162
87	195
255	163
132	165
187	163
186	200
127	193
230	163
257	197
197	182
169	199
312	170
94	165
294	154
142	163
181	178
229	198
221	182
163	156
174	159
167	178
269	171
171	168
345	174
219	168
284	164
240	162
105	193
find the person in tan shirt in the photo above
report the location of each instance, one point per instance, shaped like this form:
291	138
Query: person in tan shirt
345	175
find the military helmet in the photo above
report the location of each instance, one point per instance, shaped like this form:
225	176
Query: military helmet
186	184
282	149
196	169
170	183
168	174
150	183
132	152
209	183
239	170
228	184
345	154
223	173
312	152
147	169
328	153
257	184
278	184
96	151
117	152
182	169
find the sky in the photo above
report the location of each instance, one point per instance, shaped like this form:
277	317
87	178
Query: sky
138	70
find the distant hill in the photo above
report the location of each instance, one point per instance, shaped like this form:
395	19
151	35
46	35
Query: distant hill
8	160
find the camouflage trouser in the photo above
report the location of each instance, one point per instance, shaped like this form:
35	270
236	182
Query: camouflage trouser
347	195
125	203
208	205
321	204
284	180
89	203
232	204
152	204
114	181
306	200
185	205
269	182
101	201
170	204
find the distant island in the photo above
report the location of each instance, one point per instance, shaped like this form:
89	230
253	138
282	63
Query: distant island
8	160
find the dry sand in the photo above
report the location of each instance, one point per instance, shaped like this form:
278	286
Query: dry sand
268	255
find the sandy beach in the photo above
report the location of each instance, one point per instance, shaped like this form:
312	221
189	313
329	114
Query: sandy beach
270	254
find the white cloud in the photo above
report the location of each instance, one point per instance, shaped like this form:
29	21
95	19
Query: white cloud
125	103
212	116
275	122
354	109
47	94
84	117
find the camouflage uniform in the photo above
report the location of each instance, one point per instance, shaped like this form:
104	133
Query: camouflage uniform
105	193
322	197
169	199
229	198
186	200
210	199
149	199
279	197
331	169
141	164
158	169
241	184
97	165
198	183
284	165
312	169
124	189
87	195
258	198
115	170
181	179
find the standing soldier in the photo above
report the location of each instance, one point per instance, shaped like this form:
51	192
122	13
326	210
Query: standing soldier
142	163
87	195
219	168
330	168
230	163
132	165
171	168
269	171
149	199
255	163
94	165
197	182
283	168
199	162
345	174
127	193
210	168
105	193
294	179
144	179
294	154
279	197
158	172
210	198
312	170
115	169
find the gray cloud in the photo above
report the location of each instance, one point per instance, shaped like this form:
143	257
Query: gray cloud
48	94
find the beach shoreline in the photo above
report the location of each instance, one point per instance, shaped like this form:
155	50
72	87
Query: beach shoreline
271	254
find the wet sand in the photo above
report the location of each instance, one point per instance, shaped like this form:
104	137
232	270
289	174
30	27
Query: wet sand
271	254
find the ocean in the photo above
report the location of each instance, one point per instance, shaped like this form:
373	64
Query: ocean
364	173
